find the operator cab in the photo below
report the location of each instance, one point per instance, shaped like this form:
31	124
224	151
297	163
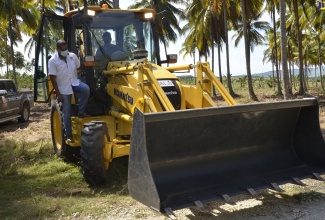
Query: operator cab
131	38
120	36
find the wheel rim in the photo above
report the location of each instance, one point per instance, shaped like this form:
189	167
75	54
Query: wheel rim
57	130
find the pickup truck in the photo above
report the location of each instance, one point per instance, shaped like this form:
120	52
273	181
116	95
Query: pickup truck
13	103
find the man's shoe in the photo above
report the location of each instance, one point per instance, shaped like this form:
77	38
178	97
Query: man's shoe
83	115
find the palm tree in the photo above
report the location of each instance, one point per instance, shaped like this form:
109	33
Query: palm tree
269	54
199	27
299	38
2	64
316	21
292	46
20	60
28	67
190	43
199	30
225	21
285	72
208	18
16	13
167	18
3	45
48	6
251	11
271	8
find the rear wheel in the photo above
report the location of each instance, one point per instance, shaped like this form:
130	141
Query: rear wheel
61	149
93	163
25	112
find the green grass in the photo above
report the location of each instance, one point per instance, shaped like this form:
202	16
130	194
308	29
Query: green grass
35	184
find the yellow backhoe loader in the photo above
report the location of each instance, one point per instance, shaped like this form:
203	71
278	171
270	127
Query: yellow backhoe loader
183	150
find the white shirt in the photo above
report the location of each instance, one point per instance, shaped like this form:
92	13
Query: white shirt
65	72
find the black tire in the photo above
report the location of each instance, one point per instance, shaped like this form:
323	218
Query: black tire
61	149
94	168
25	113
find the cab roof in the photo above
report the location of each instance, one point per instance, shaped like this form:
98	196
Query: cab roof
98	8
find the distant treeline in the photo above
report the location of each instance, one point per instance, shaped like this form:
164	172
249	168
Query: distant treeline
24	81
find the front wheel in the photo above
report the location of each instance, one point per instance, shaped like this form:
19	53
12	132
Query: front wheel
93	163
61	149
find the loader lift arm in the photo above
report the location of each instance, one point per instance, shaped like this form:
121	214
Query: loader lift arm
204	68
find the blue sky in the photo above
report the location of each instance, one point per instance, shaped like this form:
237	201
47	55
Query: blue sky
236	54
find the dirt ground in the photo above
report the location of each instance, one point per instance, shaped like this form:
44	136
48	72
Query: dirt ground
298	202
37	129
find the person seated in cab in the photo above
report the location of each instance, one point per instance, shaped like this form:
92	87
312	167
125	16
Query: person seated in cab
108	48
107	52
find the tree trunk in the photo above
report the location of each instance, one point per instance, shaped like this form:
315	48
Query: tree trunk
213	88
12	52
306	84
276	54
247	52
231	91
294	77
273	78
301	61
285	73
194	61
315	68
219	59
7	59
320	64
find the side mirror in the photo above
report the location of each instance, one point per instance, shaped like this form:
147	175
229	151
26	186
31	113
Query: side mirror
171	58
3	92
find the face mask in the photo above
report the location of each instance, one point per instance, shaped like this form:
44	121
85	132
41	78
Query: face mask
64	53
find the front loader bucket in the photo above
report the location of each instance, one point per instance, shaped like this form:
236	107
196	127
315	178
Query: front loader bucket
182	158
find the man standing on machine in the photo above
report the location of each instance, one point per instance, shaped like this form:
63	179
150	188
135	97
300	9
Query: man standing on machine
64	77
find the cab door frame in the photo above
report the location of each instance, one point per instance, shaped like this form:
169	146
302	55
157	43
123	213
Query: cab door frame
49	31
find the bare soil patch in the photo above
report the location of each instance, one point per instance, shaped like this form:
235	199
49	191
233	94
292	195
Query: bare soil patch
38	128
